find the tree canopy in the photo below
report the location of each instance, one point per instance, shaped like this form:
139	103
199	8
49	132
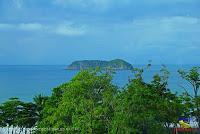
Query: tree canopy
91	103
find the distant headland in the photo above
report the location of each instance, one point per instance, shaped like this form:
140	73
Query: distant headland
117	64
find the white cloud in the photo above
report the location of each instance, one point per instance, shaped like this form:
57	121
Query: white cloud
6	26
148	32
152	33
31	26
91	4
66	29
166	26
158	31
18	3
107	4
169	1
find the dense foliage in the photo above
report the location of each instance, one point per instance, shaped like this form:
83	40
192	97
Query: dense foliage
90	103
146	108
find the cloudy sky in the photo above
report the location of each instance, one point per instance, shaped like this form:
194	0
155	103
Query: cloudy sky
46	32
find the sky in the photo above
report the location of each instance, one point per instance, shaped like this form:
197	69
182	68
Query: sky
57	32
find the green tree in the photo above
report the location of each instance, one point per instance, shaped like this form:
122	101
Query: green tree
2	118
192	99
39	101
84	105
27	116
146	107
9	111
15	113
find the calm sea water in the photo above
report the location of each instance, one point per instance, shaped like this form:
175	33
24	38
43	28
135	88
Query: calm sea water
27	81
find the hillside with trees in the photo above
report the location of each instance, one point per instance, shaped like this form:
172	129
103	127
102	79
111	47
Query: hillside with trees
116	64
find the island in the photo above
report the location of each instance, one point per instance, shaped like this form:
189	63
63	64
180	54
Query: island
117	64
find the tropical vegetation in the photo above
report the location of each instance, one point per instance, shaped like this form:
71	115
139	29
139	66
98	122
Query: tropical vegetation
91	103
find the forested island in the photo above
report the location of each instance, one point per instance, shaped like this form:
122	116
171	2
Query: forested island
117	64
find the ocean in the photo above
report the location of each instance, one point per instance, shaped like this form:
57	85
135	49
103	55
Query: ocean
27	81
